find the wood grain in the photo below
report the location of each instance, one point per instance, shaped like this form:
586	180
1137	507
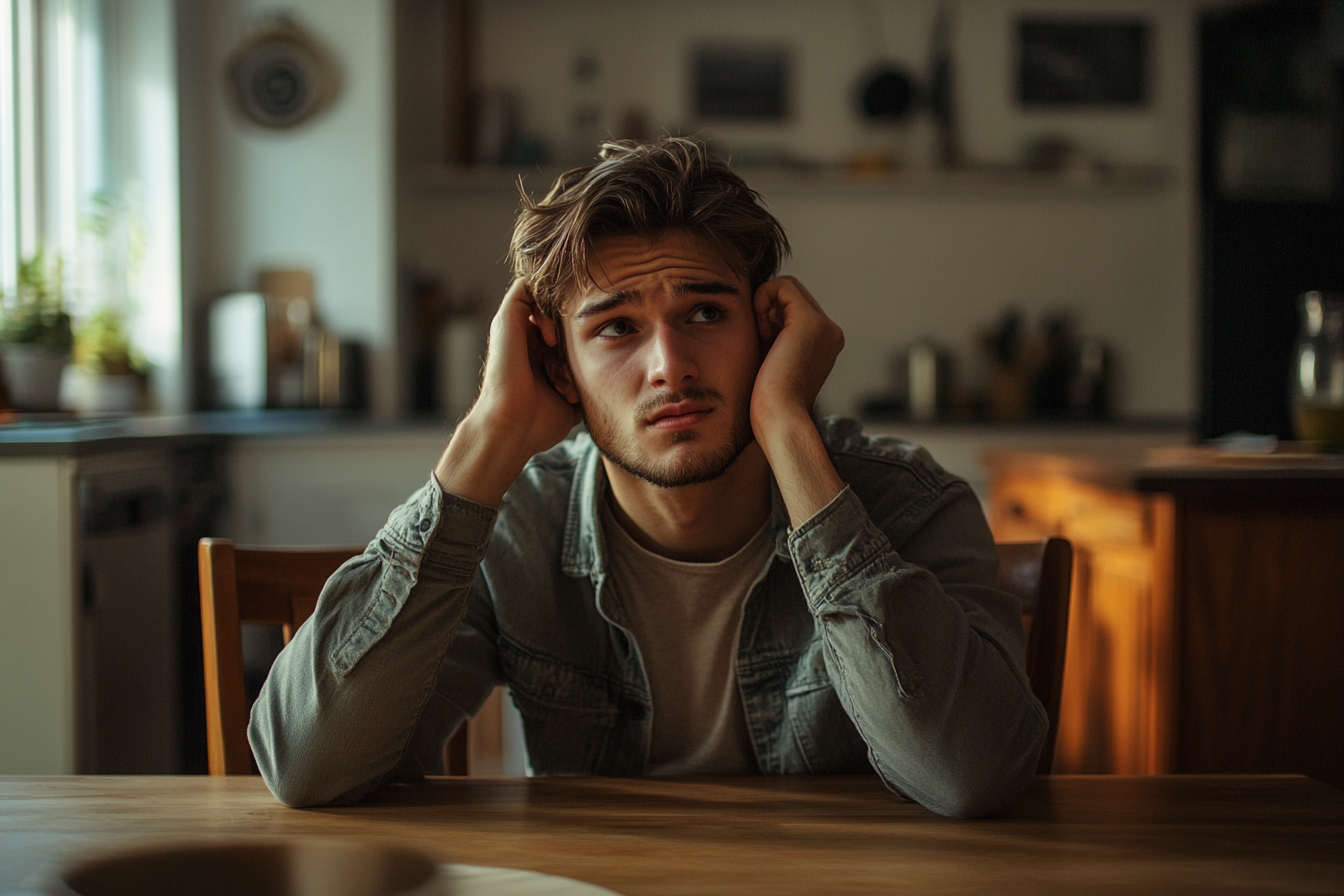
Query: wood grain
1116	708
803	835
1208	611
1262	616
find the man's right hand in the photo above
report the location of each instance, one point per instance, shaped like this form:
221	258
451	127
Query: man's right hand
518	412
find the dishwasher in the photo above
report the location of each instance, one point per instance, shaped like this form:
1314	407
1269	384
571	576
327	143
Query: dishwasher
128	634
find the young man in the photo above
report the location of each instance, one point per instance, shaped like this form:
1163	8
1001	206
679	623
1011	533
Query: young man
707	581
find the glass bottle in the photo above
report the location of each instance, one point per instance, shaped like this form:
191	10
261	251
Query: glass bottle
1317	379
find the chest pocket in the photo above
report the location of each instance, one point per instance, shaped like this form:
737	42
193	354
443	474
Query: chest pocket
569	712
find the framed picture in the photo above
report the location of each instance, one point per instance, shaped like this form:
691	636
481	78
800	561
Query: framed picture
741	82
1076	63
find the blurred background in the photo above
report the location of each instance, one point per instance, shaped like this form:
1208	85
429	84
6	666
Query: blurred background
1080	208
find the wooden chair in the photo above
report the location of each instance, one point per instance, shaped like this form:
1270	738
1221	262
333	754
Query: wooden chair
1039	574
270	586
280	586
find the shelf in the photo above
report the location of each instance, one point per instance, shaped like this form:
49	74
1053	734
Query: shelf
774	181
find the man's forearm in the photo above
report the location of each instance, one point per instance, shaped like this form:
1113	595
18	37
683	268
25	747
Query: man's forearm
929	671
479	464
801	466
346	695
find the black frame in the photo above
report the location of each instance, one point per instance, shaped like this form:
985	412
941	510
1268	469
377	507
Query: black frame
1073	63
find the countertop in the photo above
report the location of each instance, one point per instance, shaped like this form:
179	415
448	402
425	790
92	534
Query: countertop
76	437
1289	470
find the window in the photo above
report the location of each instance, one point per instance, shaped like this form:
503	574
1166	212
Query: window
88	162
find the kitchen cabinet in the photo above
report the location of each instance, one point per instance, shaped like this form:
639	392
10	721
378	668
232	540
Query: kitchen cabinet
1207	612
37	715
91	648
100	650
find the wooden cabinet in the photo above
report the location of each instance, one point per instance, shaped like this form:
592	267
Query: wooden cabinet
1207	613
1115	709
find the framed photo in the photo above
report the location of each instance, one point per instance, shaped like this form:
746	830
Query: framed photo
741	82
1065	63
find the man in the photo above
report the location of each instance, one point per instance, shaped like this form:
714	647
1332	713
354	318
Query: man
707	581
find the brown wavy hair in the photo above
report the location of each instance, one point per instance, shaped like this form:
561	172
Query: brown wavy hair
642	189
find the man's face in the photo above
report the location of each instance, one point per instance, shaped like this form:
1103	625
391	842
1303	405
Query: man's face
663	351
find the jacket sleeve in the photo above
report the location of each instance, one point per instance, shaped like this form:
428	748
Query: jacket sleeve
364	693
926	655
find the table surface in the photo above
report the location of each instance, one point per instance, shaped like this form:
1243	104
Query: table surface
1093	834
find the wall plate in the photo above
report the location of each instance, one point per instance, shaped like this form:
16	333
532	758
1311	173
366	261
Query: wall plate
281	76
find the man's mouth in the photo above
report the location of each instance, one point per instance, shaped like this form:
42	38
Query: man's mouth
679	416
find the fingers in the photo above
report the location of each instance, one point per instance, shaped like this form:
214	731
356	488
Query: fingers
761	304
783	301
518	314
547	327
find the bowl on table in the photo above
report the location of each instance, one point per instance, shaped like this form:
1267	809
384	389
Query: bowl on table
231	868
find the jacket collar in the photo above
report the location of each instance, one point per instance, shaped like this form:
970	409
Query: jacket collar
584	547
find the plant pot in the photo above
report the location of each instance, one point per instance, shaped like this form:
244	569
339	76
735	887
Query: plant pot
97	393
33	375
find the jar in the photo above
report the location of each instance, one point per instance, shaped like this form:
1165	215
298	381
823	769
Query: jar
1317	378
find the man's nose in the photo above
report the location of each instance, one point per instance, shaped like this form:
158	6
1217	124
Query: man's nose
671	364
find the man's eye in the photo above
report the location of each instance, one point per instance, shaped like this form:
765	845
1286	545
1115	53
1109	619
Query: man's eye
707	314
616	328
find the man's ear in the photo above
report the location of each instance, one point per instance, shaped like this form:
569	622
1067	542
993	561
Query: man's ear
562	380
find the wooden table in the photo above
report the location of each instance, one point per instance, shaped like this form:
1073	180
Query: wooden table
1095	835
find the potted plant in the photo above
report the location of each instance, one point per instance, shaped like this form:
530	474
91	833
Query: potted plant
108	374
111	372
35	335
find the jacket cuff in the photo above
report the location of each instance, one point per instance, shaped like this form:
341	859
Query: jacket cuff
468	533
831	546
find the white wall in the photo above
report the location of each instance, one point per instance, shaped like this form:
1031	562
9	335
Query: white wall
890	263
317	196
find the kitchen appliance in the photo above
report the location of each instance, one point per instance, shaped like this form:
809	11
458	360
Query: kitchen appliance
267	351
238	363
922	375
1271	197
128	632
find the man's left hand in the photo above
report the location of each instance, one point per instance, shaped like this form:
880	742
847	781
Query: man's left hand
802	345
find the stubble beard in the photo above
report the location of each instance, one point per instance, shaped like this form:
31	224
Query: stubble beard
623	451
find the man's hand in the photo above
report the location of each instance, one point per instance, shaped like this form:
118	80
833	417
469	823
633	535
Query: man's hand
803	344
518	412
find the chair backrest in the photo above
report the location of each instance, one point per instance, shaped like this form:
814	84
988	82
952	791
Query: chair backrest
280	586
1039	574
269	586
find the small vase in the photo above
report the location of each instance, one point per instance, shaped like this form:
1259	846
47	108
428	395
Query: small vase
1317	381
33	374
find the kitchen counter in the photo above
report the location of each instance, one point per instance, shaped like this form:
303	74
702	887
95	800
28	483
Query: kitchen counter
75	437
1207	610
1170	467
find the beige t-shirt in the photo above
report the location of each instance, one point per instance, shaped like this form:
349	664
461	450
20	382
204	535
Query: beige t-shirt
686	618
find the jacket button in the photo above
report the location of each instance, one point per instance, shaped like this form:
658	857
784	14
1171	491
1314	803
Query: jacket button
632	710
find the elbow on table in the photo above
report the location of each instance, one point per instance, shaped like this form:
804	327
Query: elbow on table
972	799
974	786
304	782
304	789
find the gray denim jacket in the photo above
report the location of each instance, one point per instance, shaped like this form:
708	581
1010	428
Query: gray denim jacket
873	639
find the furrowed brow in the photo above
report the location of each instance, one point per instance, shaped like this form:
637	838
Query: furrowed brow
707	288
607	303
